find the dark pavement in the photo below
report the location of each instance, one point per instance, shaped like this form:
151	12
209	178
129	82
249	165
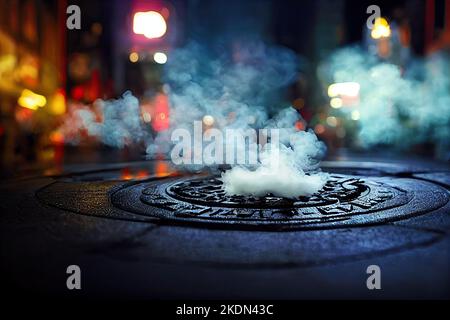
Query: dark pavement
128	255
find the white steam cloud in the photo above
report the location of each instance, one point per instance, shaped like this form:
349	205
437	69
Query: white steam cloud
238	87
281	171
116	123
246	84
399	107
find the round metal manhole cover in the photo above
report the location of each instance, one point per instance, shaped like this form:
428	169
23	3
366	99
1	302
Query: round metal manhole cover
344	201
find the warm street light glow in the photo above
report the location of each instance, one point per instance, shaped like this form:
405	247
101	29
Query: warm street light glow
134	57
31	100
151	24
381	29
208	120
58	103
160	57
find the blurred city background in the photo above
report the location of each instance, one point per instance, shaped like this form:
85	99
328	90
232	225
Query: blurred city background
48	72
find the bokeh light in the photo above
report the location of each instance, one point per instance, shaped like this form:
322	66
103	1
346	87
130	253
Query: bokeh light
336	103
355	115
349	89
31	100
381	29
151	24
134	57
208	120
160	57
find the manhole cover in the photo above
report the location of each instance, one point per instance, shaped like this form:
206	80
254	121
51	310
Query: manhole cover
345	200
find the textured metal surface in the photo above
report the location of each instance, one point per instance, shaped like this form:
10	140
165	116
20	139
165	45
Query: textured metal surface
344	201
208	191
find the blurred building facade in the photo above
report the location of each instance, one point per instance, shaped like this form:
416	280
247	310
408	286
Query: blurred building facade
32	75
